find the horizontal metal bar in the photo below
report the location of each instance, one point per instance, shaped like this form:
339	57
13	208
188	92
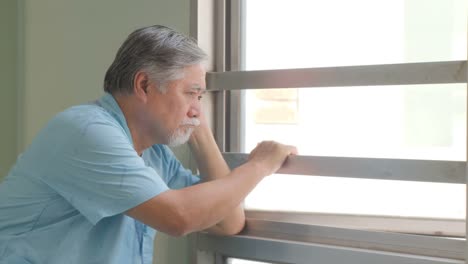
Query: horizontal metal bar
368	168
284	251
364	239
396	224
389	74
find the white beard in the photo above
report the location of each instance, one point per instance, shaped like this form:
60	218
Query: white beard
181	135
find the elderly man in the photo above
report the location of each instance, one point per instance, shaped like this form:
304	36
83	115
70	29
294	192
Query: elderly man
98	180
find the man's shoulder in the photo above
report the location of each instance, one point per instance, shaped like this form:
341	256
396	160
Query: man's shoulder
77	118
70	133
74	123
84	112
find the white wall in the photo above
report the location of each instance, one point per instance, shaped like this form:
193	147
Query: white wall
68	46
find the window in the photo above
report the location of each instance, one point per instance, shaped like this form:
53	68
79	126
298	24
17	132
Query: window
424	121
373	93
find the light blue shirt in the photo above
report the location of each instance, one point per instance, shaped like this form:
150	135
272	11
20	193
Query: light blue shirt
65	198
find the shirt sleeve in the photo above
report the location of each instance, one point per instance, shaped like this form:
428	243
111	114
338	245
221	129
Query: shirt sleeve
100	173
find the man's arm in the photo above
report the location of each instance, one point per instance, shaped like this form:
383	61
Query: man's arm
212	166
199	207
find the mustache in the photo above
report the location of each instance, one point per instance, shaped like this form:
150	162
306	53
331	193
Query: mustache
191	122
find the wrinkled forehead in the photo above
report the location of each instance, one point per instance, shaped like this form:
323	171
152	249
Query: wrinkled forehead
194	76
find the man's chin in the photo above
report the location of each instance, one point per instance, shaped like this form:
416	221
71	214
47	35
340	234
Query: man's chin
180	139
176	143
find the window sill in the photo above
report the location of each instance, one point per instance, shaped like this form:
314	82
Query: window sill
283	242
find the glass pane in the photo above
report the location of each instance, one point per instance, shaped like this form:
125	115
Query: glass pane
318	33
410	122
243	261
295	193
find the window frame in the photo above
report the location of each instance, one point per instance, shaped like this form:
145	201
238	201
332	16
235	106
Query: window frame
260	241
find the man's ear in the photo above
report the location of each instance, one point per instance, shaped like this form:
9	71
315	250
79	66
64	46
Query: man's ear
141	85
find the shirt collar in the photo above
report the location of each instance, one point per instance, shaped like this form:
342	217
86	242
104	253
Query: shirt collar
108	102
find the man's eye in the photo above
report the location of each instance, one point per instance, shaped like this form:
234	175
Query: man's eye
195	95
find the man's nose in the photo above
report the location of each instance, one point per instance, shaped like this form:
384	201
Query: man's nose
193	112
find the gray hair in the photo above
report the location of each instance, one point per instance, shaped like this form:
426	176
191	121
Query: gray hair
160	51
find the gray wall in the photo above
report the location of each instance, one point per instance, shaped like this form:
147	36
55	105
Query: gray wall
64	49
8	84
69	45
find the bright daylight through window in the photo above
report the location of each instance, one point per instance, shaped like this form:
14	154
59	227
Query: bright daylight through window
241	261
399	122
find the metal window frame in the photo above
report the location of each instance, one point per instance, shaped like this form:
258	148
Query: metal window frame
406	225
367	168
292	251
385	74
234	43
291	237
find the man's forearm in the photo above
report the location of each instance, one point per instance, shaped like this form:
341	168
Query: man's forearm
201	206
212	205
212	166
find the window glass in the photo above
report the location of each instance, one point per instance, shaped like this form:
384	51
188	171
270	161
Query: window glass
402	122
296	193
408	122
243	261
283	34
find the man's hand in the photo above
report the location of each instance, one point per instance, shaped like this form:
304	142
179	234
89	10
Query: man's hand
270	155
201	132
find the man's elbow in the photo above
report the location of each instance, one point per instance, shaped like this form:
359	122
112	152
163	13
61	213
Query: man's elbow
177	232
179	227
182	226
230	229
235	229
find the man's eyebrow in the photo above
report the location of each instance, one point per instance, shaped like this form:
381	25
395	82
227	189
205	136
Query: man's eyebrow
198	88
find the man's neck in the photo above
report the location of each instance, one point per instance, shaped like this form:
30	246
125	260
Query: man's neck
140	142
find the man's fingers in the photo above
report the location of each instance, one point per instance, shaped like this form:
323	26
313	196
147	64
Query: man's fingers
293	150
